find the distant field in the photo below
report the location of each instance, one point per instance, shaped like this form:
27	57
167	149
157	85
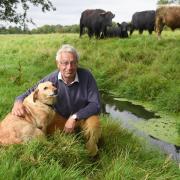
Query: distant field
139	68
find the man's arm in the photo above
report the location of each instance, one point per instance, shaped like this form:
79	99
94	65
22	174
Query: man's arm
18	107
93	107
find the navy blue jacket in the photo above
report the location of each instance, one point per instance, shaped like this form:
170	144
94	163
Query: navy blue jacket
80	97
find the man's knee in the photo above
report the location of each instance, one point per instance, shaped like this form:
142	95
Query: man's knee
92	125
92	132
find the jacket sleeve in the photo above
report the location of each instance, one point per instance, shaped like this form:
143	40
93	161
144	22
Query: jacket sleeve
93	106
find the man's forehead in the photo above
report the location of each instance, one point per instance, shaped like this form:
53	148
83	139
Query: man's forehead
67	56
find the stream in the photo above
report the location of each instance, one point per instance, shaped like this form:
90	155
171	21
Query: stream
125	111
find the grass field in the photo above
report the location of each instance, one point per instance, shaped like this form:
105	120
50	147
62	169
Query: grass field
140	68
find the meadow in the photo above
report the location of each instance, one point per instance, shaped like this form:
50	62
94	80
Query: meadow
140	68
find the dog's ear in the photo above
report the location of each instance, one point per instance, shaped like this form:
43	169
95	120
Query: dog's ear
35	95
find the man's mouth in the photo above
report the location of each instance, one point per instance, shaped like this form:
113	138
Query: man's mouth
69	72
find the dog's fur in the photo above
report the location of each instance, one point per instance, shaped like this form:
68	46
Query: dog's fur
14	129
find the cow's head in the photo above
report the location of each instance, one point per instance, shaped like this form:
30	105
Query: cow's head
107	18
124	26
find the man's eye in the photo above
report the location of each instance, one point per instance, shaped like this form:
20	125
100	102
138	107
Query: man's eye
66	63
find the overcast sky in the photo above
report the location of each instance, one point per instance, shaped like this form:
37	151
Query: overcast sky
68	12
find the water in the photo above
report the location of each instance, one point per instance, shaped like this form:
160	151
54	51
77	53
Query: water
125	112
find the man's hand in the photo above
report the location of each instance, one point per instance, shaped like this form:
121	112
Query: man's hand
70	125
19	109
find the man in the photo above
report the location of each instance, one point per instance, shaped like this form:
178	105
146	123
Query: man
78	101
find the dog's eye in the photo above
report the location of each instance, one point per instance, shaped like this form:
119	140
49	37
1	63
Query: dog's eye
45	88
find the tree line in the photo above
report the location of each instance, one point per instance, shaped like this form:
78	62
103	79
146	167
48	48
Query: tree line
46	29
168	1
9	13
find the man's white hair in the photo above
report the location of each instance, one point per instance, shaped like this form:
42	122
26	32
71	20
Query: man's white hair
66	48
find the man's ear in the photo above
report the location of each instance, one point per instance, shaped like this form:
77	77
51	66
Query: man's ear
35	95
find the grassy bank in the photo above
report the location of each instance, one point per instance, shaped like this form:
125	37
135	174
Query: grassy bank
139	68
64	157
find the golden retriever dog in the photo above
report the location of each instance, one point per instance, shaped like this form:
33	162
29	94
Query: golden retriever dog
15	130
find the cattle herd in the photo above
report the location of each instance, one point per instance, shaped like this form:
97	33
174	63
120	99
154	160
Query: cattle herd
99	22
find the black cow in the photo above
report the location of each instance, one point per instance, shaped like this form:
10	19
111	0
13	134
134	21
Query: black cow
144	20
124	29
114	31
121	31
96	21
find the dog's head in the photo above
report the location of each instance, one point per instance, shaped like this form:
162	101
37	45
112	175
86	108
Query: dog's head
45	93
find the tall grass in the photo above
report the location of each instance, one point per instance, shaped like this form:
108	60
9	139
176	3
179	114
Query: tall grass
140	68
62	156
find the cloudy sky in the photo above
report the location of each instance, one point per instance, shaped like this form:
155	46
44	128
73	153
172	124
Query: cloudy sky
68	12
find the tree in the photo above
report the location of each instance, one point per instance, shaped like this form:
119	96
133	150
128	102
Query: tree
168	1
8	9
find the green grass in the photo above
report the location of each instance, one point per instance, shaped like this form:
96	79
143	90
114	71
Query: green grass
62	156
140	68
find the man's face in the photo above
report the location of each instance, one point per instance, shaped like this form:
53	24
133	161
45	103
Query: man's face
67	66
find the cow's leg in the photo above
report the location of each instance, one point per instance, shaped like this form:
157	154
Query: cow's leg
103	33
131	31
81	30
159	27
140	31
90	33
160	30
124	34
150	32
97	34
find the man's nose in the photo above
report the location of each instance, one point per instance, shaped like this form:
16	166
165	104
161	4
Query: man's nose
70	65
